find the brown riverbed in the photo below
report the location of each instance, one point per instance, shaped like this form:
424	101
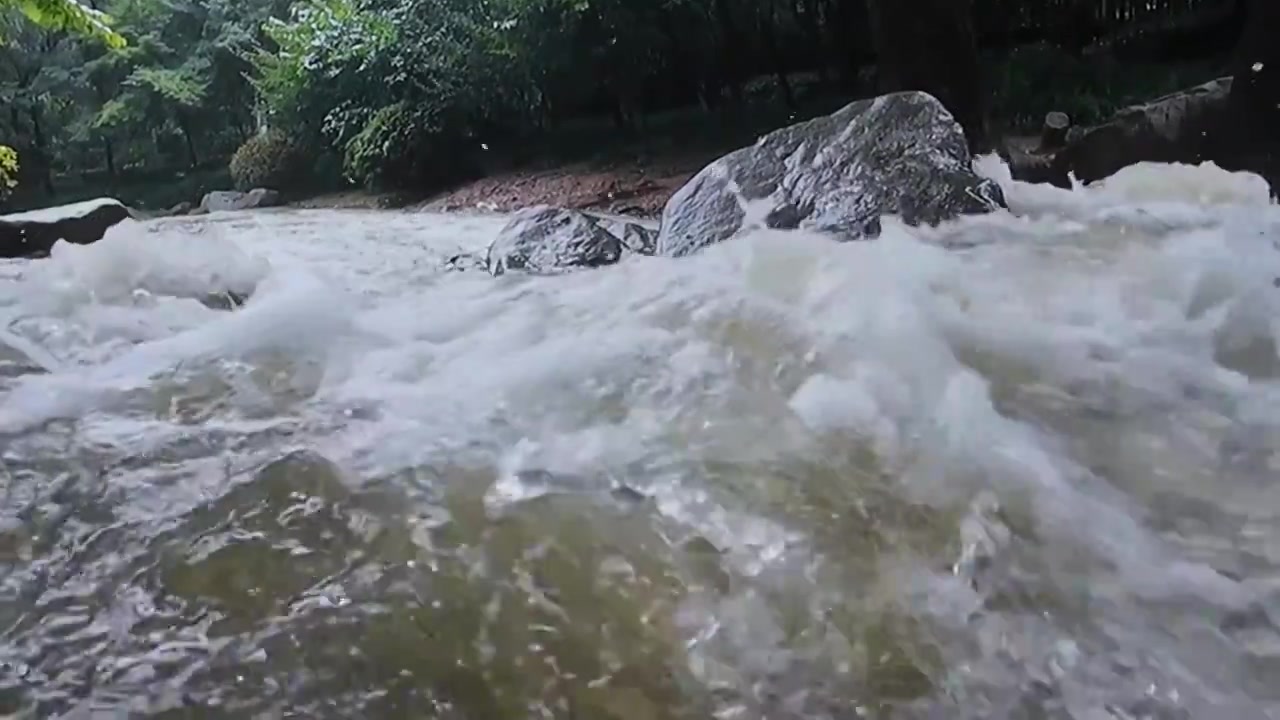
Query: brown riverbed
636	187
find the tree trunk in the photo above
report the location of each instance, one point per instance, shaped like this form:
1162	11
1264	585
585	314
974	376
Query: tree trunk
192	158
618	111
1250	136
108	150
769	33
110	156
929	45
691	67
548	113
42	153
846	26
732	47
807	17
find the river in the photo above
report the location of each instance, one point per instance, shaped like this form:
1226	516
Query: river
1031	475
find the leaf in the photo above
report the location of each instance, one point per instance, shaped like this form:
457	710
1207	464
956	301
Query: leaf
8	169
118	112
69	16
178	85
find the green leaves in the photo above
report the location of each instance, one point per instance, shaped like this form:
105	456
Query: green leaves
84	104
183	85
8	169
69	16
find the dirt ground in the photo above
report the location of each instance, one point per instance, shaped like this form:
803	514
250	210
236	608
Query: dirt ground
625	188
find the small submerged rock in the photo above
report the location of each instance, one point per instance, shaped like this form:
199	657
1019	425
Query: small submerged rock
225	300
640	239
183	208
636	238
466	261
901	154
544	239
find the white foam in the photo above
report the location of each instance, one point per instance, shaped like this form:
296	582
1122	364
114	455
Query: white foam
1012	370
59	212
129	259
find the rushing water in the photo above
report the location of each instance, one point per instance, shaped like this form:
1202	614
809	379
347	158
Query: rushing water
1030	476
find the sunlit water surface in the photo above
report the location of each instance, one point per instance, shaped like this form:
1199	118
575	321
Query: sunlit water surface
1033	475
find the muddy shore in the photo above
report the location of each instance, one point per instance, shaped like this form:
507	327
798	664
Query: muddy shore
636	188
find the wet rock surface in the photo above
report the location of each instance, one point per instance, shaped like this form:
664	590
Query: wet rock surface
545	240
230	200
1193	126
1170	129
33	234
900	154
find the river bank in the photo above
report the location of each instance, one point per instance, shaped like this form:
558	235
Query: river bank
637	187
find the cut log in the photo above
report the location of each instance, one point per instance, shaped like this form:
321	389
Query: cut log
1053	136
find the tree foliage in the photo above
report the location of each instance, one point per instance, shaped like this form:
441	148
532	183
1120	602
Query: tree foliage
8	169
68	16
457	75
59	16
167	103
421	92
268	159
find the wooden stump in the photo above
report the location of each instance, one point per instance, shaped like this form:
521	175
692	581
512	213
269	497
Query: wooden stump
1053	136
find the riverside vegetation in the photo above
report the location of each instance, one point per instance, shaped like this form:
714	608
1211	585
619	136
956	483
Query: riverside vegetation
157	102
1020	463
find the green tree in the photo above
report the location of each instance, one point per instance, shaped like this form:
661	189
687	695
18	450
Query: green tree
68	16
146	119
55	15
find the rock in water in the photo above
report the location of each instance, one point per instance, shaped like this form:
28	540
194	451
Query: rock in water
901	154
463	262
34	233
1169	129
183	208
640	239
545	239
228	200
636	238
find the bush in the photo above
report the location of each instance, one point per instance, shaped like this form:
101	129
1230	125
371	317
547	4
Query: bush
399	147
8	170
270	160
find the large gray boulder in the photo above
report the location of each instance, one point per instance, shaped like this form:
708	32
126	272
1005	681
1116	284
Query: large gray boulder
544	239
34	233
900	154
229	200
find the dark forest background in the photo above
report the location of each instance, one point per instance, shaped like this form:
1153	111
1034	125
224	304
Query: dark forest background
320	94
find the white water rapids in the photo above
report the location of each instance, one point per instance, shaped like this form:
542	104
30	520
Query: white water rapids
1035	477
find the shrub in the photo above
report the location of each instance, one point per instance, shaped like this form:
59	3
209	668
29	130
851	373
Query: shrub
8	169
391	149
269	159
